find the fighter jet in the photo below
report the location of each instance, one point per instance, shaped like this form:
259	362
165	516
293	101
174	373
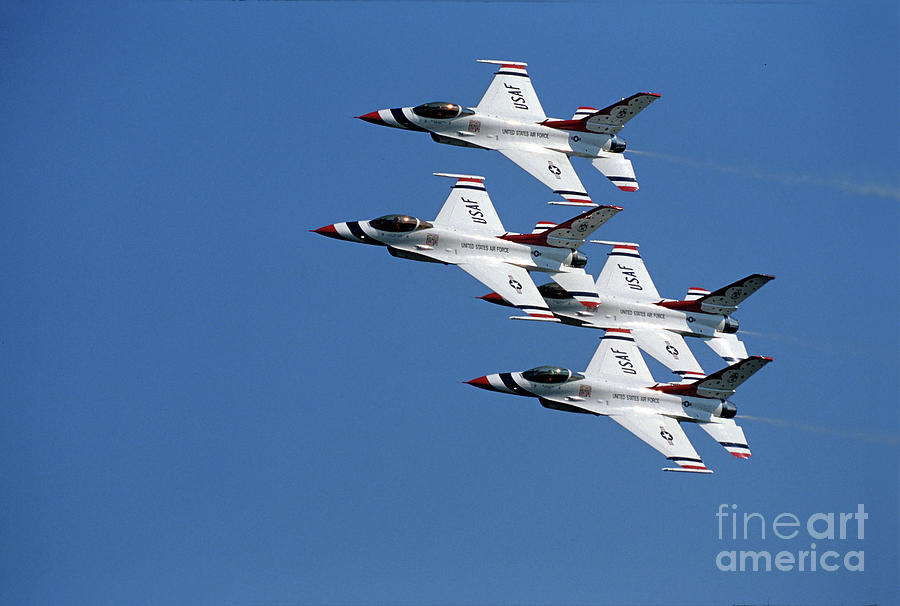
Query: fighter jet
618	384
467	232
509	118
628	299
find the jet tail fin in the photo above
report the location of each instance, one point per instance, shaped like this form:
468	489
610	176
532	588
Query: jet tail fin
571	233
722	301
610	120
720	384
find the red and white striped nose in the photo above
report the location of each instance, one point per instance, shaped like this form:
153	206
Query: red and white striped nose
329	231
374	118
490	382
395	117
352	231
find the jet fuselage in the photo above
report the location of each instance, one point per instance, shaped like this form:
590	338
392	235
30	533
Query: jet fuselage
475	129
443	244
602	396
620	312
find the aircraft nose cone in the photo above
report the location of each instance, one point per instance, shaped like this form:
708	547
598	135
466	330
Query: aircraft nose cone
481	382
328	230
493	297
374	118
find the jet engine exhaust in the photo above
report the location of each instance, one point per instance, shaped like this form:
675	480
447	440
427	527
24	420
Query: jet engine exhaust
862	436
853	187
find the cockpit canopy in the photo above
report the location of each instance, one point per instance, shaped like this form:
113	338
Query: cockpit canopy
440	110
551	374
399	223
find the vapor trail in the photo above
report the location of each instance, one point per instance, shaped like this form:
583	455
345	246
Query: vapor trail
790	340
863	436
851	187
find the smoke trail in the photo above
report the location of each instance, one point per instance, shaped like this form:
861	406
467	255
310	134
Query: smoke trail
850	187
863	436
790	340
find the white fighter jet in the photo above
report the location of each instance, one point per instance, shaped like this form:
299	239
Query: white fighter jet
509	118
467	232
627	298
618	384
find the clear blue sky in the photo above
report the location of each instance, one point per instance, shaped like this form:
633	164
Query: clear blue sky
204	403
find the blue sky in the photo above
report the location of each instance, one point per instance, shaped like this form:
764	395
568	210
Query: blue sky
204	403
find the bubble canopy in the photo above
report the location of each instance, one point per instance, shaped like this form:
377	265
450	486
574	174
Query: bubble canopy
439	110
551	374
399	223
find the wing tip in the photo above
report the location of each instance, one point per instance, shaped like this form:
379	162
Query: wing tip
688	469
460	176
501	62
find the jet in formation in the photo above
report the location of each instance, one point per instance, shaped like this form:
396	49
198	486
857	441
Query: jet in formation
617	384
627	298
468	233
509	118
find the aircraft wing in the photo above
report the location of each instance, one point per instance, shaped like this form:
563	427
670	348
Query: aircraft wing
665	435
551	168
625	275
618	358
469	206
669	349
513	284
511	93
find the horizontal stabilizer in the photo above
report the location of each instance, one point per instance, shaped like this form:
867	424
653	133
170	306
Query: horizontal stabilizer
584	112
579	286
728	347
534	318
730	435
687	469
695	292
618	169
